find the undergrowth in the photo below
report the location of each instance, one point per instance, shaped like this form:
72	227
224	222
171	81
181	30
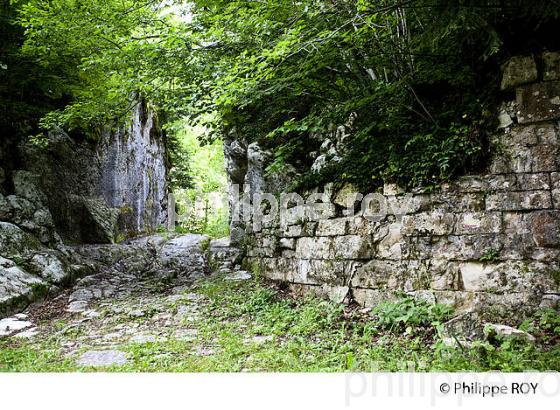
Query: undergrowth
253	326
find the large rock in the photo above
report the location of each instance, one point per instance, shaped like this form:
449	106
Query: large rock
27	185
518	70
126	166
99	222
17	287
494	331
49	267
14	241
184	255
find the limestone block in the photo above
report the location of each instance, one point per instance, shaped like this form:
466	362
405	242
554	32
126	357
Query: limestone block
504	120
547	133
538	102
287	243
428	223
525	136
555	184
407	204
336	294
471	184
332	227
353	247
551	66
373	297
378	274
545	227
532	182
314	248
333	272
302	229
391	245
346	197
556	198
550	255
514	201
555	180
516	223
292	216
443	274
280	269
478	223
358	225
319	211
454	201
503	182
507	277
503	332
477	276
544	158
453	247
518	70
392	189
516	246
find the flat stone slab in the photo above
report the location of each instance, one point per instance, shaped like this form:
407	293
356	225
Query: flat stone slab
28	334
141	339
102	358
77	306
11	325
239	275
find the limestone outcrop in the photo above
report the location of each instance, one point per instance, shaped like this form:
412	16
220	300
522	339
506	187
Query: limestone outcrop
72	191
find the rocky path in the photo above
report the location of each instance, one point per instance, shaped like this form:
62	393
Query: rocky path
143	291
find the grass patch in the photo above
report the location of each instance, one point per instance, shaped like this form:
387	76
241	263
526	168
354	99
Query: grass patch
252	326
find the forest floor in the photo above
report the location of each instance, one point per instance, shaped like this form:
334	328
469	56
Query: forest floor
125	318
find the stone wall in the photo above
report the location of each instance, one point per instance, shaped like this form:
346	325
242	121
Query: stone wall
488	241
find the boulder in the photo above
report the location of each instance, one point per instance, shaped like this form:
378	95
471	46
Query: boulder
14	241
518	70
17	288
502	332
49	267
26	185
98	222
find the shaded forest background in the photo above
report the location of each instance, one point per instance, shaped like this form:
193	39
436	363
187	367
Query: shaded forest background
420	77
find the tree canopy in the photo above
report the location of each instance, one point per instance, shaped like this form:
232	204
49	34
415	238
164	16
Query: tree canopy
418	76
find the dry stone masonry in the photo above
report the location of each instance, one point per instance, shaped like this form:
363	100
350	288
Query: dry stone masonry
489	241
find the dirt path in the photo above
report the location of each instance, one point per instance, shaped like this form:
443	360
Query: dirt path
143	291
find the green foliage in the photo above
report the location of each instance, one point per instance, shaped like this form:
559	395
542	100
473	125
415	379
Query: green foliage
490	255
411	312
418	77
545	323
198	180
252	326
